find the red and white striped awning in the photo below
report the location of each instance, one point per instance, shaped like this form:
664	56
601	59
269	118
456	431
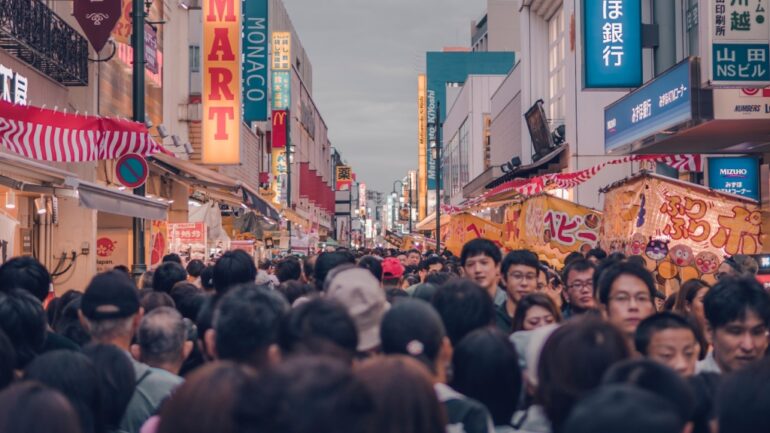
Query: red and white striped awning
49	135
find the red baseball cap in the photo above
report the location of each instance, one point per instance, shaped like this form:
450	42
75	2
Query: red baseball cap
392	268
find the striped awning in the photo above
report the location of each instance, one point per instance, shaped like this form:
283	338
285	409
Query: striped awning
48	135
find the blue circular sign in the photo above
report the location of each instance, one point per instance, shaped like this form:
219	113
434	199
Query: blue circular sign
131	170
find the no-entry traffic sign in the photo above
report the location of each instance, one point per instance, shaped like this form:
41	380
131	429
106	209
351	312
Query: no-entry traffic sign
131	170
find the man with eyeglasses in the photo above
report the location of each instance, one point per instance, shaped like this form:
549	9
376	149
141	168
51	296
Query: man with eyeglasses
738	316
578	291
520	270
627	294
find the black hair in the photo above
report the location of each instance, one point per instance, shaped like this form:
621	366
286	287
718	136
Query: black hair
195	267
288	269
325	263
639	260
23	320
577	265
74	375
68	323
485	367
122	268
246	321
519	257
612	273
439	278
116	378
657	323
414	251
153	300
233	268
207	278
480	247
188	299
25	273
31	407
533	300
731	298
373	265
173	258
425	264
395	294
413	320
616	257
166	275
598	253
571	257
319	326
7	360
425	291
294	290
704	387
307	267
463	306
656	378
744	398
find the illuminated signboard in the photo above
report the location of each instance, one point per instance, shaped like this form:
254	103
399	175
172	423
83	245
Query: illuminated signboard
279	129
221	81
422	145
281	90
281	51
739	31
612	43
735	175
255	54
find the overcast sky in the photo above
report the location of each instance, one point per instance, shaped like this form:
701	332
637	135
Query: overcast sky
366	56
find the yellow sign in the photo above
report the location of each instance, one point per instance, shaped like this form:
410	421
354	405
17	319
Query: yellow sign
681	230
465	227
221	54
422	146
551	227
281	51
279	175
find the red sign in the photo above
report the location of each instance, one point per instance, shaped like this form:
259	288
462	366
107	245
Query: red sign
279	128
97	18
131	170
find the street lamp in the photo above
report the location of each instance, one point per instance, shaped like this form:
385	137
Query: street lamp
409	186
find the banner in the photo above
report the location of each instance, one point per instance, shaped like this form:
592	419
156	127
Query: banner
188	240
465	227
394	239
255	52
422	147
158	242
279	129
551	227
682	231
97	19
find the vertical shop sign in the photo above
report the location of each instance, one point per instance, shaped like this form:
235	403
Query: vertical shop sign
612	43
432	129
422	145
281	51
740	51
281	93
280	119
221	81
255	58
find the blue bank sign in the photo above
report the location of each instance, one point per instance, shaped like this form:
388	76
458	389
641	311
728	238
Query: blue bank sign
612	43
659	105
736	175
255	58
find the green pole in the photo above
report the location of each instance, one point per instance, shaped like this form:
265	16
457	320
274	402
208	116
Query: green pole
137	86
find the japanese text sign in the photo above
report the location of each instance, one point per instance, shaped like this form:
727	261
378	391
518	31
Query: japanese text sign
281	51
660	104
735	175
281	90
466	227
221	81
255	58
612	43
344	176
739	31
188	240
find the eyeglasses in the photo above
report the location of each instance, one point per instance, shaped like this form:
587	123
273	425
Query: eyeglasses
625	298
519	276
580	284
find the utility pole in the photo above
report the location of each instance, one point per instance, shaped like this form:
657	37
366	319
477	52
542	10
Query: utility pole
288	173
137	86
438	177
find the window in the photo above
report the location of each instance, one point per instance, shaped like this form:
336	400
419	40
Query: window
556	77
195	58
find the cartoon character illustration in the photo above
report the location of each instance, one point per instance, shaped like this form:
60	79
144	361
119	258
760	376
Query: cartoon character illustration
706	262
657	249
642	212
638	242
681	255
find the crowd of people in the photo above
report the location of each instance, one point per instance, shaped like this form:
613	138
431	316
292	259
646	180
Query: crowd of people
385	341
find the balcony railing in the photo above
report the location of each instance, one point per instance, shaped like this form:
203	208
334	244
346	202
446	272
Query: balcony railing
32	32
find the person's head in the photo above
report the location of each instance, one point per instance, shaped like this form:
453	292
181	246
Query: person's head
578	277
74	375
739	265
207	278
162	340
233	268
744	399
430	265
463	306
188	299
413	258
412	327
738	315
172	257
586	345
246	324
627	293
596	255
392	273
402	258
7	361
22	319
205	402
325	263
704	387
571	257
438	279
319	326
117	381
480	259
288	269
363	298
166	275
330	398
25	273
403	394
152	300
31	407
485	367
69	325
520	270
110	309
670	339
690	300
535	311
308	268
194	268
146	280
626	408
373	265
295	289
